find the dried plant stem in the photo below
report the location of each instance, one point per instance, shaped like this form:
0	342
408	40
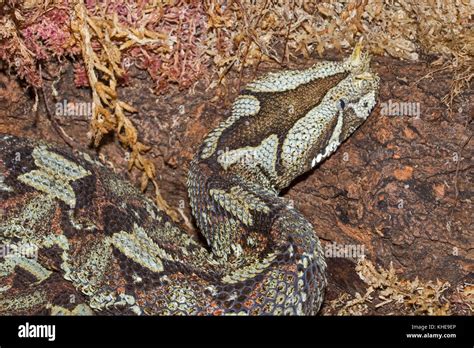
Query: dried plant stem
108	112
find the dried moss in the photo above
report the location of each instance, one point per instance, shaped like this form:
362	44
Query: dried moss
386	289
180	42
103	67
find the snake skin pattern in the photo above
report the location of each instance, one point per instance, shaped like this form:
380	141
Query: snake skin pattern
76	239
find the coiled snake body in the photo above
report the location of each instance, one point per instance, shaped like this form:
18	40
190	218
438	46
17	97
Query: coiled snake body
78	240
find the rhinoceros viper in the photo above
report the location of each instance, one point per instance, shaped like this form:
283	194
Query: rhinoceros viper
77	239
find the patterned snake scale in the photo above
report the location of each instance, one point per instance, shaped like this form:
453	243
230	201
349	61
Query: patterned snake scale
77	239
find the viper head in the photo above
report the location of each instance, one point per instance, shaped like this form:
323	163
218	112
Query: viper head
350	92
286	122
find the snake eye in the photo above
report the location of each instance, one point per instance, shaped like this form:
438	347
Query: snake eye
342	104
